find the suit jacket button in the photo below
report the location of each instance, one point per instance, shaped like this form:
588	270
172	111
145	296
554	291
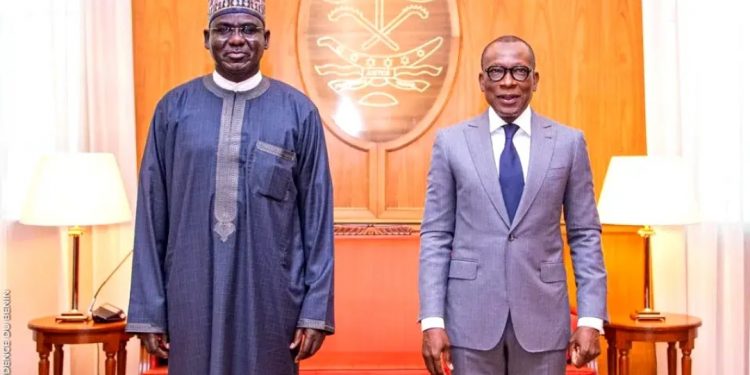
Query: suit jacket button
511	237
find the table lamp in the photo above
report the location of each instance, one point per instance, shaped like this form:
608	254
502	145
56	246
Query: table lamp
74	190
647	191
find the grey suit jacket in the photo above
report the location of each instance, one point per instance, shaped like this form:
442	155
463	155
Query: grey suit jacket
477	267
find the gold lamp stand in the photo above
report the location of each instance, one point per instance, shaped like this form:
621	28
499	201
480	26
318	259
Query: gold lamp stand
74	315
57	191
648	313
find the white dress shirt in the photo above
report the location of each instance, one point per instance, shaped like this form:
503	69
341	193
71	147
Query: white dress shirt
522	143
245	85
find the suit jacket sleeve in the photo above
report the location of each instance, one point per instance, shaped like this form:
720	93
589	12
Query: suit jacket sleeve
315	202
584	236
438	226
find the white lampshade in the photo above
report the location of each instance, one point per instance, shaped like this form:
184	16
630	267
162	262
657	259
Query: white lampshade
76	189
648	190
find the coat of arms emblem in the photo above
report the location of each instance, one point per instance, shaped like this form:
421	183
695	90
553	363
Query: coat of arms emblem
378	69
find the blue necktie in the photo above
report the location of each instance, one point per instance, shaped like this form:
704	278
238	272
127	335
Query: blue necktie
511	174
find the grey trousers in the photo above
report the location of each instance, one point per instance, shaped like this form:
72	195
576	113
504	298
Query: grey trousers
507	358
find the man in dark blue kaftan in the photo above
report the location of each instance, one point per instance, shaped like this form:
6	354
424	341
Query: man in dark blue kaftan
233	265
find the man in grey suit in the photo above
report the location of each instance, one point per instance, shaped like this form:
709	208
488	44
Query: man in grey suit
492	285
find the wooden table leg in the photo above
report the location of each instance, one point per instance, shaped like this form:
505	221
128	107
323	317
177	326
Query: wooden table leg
687	362
122	356
43	350
623	362
110	363
611	359
671	359
57	363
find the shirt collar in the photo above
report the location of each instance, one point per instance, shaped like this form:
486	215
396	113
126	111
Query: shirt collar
245	85
523	121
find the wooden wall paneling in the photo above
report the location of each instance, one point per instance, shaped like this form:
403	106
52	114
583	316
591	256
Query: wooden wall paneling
589	55
167	51
404	180
353	164
590	59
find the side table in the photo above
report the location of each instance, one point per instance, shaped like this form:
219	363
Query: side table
48	332
622	331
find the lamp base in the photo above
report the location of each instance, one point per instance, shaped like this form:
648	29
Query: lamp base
648	315
71	316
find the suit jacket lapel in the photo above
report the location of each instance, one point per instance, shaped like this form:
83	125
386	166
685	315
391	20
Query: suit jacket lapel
480	147
540	155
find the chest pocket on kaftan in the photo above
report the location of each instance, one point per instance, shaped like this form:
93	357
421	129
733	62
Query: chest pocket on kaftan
272	170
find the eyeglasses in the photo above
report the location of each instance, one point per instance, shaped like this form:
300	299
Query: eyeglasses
246	31
497	73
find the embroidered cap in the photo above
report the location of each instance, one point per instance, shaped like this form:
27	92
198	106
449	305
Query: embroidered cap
256	8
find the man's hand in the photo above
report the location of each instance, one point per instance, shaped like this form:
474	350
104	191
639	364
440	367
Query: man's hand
584	346
308	340
156	344
436	348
